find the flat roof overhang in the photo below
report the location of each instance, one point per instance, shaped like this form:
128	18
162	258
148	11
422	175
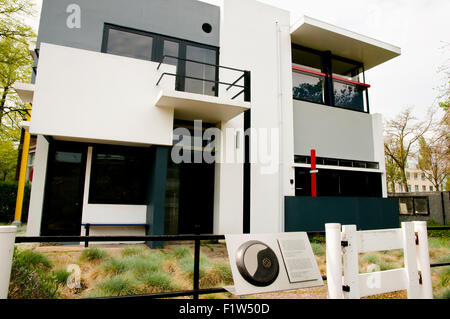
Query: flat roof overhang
321	36
192	106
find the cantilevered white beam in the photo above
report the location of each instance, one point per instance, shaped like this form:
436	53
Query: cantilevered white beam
322	36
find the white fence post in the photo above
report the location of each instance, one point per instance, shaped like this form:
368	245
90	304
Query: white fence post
334	260
423	260
7	239
350	256
410	259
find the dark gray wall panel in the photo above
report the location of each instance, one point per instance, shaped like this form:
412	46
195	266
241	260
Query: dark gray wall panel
177	18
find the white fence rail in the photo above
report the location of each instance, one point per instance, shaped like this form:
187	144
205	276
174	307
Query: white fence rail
344	246
7	238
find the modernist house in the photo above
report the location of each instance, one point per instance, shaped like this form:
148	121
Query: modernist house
119	84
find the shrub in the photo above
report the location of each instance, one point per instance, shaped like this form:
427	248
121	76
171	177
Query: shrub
118	286
93	254
318	249
371	259
223	270
133	251
187	265
61	276
8	194
30	277
159	280
116	266
34	259
181	252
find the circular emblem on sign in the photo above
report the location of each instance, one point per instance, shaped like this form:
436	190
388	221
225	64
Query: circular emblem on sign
257	263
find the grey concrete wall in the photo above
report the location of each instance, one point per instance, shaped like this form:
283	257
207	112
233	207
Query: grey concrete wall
177	18
439	204
332	132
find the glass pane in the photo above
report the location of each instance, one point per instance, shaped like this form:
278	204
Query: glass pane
347	70
130	44
421	206
307	59
171	48
201	71
120	175
68	157
372	165
406	206
308	87
349	95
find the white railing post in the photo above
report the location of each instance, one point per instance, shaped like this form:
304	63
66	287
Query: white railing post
350	256
423	259
7	239
334	260
410	260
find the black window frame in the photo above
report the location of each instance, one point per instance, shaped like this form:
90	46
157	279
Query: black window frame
413	200
327	68
158	51
100	148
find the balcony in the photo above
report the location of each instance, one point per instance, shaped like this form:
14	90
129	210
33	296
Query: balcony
198	94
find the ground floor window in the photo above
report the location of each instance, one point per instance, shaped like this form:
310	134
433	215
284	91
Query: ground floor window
339	183
119	175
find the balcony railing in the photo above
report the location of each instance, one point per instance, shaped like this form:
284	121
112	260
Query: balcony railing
210	83
311	86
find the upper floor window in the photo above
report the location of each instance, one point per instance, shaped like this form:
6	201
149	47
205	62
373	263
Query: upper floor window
321	77
129	44
196	63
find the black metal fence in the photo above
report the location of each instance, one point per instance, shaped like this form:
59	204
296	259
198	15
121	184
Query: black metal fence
196	291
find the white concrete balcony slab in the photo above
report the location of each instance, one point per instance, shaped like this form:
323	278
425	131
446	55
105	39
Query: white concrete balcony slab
25	92
228	102
192	106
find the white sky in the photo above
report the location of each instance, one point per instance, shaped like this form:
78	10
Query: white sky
420	28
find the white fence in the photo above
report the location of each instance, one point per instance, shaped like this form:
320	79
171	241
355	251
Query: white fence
7	238
344	246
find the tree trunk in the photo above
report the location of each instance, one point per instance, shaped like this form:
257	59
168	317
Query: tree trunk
404	181
3	103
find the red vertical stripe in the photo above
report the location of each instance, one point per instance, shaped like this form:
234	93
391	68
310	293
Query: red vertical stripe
313	174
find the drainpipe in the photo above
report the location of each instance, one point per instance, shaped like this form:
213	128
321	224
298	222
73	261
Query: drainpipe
280	126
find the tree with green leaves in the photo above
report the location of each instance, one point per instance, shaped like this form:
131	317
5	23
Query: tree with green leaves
15	66
8	162
401	135
12	25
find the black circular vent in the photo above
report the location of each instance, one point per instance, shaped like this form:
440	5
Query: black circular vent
206	27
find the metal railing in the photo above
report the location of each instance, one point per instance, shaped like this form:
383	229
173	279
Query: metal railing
245	76
196	291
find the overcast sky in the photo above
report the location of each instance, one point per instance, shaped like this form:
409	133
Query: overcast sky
421	28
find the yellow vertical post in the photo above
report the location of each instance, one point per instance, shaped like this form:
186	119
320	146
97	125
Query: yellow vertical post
22	174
